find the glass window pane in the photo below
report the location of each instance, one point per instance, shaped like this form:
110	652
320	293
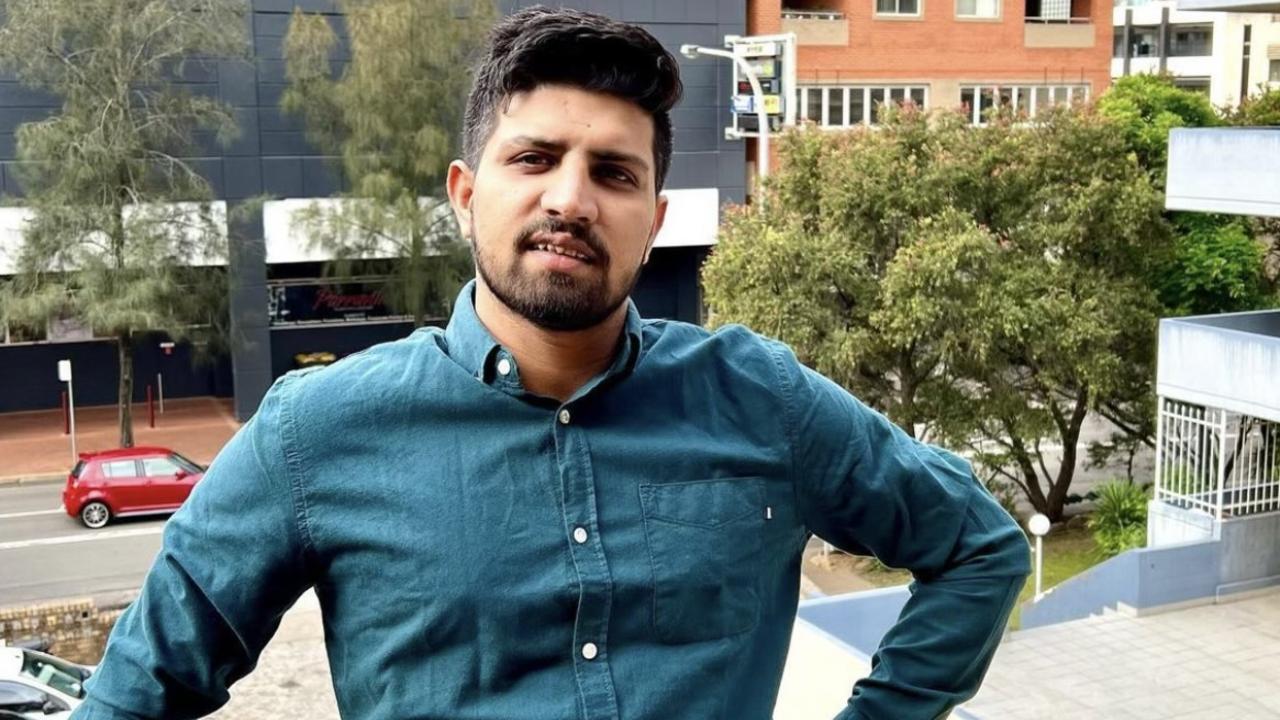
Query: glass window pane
857	105
1043	102
152	467
917	96
835	106
986	101
814	104
967	98
119	468
908	7
988	8
1022	100
1274	74
897	94
1062	95
877	99
967	7
886	6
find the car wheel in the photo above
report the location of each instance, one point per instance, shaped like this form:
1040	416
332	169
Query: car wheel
95	515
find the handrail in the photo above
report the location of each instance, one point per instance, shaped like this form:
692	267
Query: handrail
1060	21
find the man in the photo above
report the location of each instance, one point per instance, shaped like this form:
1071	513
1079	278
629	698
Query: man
554	509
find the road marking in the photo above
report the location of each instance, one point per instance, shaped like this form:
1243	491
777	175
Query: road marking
6	516
82	537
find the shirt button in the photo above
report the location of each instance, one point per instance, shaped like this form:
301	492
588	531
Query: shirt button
580	535
564	417
589	651
504	367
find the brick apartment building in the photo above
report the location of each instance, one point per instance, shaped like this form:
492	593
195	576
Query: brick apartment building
853	55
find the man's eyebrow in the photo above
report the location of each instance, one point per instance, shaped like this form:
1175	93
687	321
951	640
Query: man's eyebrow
559	147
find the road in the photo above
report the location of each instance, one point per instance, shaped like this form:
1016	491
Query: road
46	554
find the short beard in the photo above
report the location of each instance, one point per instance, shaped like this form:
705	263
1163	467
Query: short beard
557	301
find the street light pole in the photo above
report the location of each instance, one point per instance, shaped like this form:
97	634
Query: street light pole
762	118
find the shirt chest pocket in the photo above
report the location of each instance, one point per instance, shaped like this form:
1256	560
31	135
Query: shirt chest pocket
704	541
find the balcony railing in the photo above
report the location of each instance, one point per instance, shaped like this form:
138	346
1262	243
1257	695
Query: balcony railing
1060	20
789	14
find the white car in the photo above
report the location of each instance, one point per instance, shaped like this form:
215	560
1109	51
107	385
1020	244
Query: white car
37	685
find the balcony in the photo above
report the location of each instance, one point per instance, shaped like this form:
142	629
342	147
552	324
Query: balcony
1244	6
816	27
1232	170
1059	24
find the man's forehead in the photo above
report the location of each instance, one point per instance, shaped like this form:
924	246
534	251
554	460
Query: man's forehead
571	116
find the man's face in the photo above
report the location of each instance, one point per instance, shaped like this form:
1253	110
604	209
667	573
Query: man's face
561	212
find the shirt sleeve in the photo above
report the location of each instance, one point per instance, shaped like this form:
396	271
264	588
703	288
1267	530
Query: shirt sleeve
865	486
233	560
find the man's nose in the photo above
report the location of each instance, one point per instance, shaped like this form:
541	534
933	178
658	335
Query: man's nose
570	195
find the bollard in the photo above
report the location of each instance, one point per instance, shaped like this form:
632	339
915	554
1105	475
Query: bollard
151	408
66	415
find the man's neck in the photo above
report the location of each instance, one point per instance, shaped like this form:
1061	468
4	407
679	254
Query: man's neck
552	364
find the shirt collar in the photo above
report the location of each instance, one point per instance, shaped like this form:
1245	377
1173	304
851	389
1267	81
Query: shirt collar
471	346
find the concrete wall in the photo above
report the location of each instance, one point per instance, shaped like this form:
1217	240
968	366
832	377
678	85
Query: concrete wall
1227	361
1250	552
1226	170
858	620
1169	525
1142	579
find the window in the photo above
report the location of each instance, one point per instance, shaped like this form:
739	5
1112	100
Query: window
836	106
1117	43
1191	41
1198	84
157	467
1144	41
119	469
977	8
1273	74
979	100
897	7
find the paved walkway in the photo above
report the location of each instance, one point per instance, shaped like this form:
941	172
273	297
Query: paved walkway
32	443
1212	662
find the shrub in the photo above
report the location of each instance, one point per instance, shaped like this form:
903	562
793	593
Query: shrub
1119	521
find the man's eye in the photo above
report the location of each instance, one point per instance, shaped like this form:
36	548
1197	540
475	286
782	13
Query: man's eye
531	159
618	175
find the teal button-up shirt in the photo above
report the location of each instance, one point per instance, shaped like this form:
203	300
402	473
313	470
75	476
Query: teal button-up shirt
632	553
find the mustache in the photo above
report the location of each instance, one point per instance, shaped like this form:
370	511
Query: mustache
580	232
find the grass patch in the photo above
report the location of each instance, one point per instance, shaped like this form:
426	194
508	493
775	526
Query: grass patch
1067	553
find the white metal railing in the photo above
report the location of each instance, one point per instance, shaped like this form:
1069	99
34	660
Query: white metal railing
1222	463
812	14
1060	20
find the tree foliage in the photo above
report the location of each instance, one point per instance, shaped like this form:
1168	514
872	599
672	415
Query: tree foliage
118	214
1147	107
990	285
392	116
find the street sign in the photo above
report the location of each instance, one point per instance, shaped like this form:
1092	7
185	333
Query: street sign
773	60
64	371
746	104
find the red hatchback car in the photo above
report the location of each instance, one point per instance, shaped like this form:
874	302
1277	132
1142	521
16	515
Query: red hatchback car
131	481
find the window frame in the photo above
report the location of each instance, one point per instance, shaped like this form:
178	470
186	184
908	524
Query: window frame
996	92
897	15
999	5
847	93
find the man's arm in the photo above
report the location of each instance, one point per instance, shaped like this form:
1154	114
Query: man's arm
234	559
864	485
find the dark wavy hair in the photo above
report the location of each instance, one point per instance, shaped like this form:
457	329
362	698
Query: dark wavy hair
541	46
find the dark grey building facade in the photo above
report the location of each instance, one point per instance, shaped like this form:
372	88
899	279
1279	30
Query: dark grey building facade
273	157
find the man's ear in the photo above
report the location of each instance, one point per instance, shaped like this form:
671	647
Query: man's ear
659	217
460	184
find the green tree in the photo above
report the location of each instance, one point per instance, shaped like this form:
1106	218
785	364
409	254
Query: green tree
991	285
392	117
1147	107
1218	264
119	216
